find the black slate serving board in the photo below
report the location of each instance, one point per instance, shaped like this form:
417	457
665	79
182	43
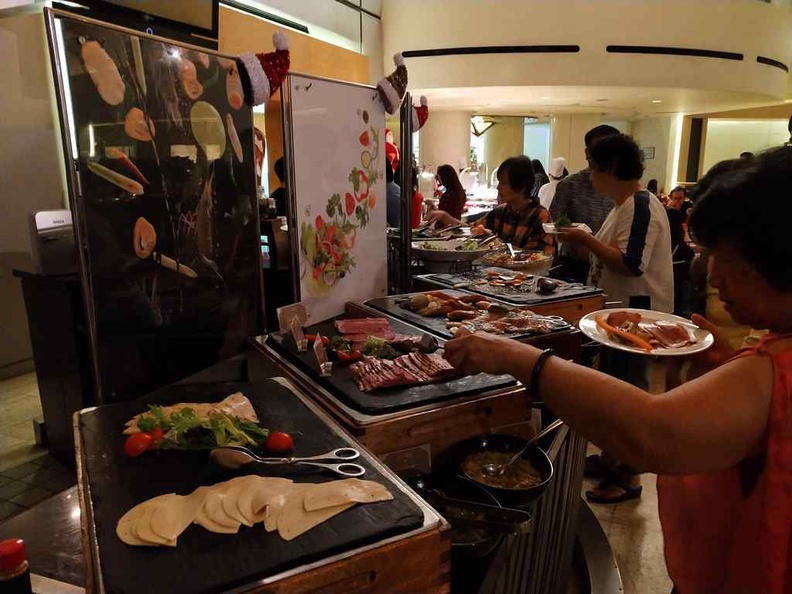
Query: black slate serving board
386	400
204	562
391	306
515	296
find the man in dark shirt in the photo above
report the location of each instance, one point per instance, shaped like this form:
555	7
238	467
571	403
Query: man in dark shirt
575	197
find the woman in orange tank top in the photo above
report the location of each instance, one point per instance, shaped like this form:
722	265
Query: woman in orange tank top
721	443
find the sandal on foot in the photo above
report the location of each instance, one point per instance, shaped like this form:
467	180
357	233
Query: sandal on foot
595	467
628	493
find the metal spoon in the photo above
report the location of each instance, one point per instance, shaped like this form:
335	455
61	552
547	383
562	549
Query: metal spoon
511	250
498	470
345	468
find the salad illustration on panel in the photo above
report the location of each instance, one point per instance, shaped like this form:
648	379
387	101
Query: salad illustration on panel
327	242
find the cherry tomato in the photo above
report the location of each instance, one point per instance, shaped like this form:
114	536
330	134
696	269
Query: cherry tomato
312	338
349	356
137	443
156	438
279	443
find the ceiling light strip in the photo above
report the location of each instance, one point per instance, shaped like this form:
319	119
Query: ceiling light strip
771	62
492	49
673	51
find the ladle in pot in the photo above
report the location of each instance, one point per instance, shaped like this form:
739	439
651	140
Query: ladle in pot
499	469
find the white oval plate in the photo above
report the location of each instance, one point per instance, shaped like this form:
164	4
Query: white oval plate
704	338
550	228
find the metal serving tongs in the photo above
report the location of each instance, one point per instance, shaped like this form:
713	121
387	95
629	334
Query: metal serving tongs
480	515
343	455
487	240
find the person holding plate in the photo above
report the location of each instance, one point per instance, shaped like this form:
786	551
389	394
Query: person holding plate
631	261
721	443
519	218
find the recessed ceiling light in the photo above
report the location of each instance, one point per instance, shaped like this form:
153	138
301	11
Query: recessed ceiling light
601	100
787	100
657	100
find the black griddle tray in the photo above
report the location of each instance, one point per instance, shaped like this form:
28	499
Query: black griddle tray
437	326
385	400
512	295
204	562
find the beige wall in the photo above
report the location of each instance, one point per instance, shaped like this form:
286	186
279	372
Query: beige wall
567	138
656	133
503	140
32	172
745	26
782	111
726	139
445	138
240	32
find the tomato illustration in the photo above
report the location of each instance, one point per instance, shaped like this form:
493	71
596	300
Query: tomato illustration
372	200
350	204
364	139
363	196
319	222
330	233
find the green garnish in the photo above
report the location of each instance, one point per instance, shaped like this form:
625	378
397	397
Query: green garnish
377	347
563	221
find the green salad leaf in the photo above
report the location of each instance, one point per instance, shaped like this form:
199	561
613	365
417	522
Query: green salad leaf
185	431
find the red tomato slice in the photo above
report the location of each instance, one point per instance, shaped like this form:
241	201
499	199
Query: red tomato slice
137	443
156	437
279	442
349	356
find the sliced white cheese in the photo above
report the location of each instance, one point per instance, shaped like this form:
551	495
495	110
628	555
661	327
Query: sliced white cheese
126	529
266	490
334	493
276	504
211	514
231	498
141	529
293	520
172	516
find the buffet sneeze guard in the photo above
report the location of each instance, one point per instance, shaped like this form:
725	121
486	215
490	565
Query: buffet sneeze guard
162	187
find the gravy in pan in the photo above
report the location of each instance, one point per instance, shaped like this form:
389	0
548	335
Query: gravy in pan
519	475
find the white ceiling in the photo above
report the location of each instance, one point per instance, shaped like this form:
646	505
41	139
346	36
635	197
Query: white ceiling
621	102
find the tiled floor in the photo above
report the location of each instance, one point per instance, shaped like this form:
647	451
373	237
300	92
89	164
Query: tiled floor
27	474
19	405
633	530
633	527
26	485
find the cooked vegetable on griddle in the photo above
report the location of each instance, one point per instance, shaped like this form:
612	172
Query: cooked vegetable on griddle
475	312
377	347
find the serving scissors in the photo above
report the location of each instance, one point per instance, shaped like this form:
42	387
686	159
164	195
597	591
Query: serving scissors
341	455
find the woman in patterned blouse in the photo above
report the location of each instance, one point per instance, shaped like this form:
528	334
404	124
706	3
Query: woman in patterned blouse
518	220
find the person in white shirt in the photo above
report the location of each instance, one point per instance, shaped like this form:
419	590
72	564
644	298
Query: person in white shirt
557	171
631	262
631	253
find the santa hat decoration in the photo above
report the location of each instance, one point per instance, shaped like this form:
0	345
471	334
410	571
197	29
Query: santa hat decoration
265	72
420	114
393	87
